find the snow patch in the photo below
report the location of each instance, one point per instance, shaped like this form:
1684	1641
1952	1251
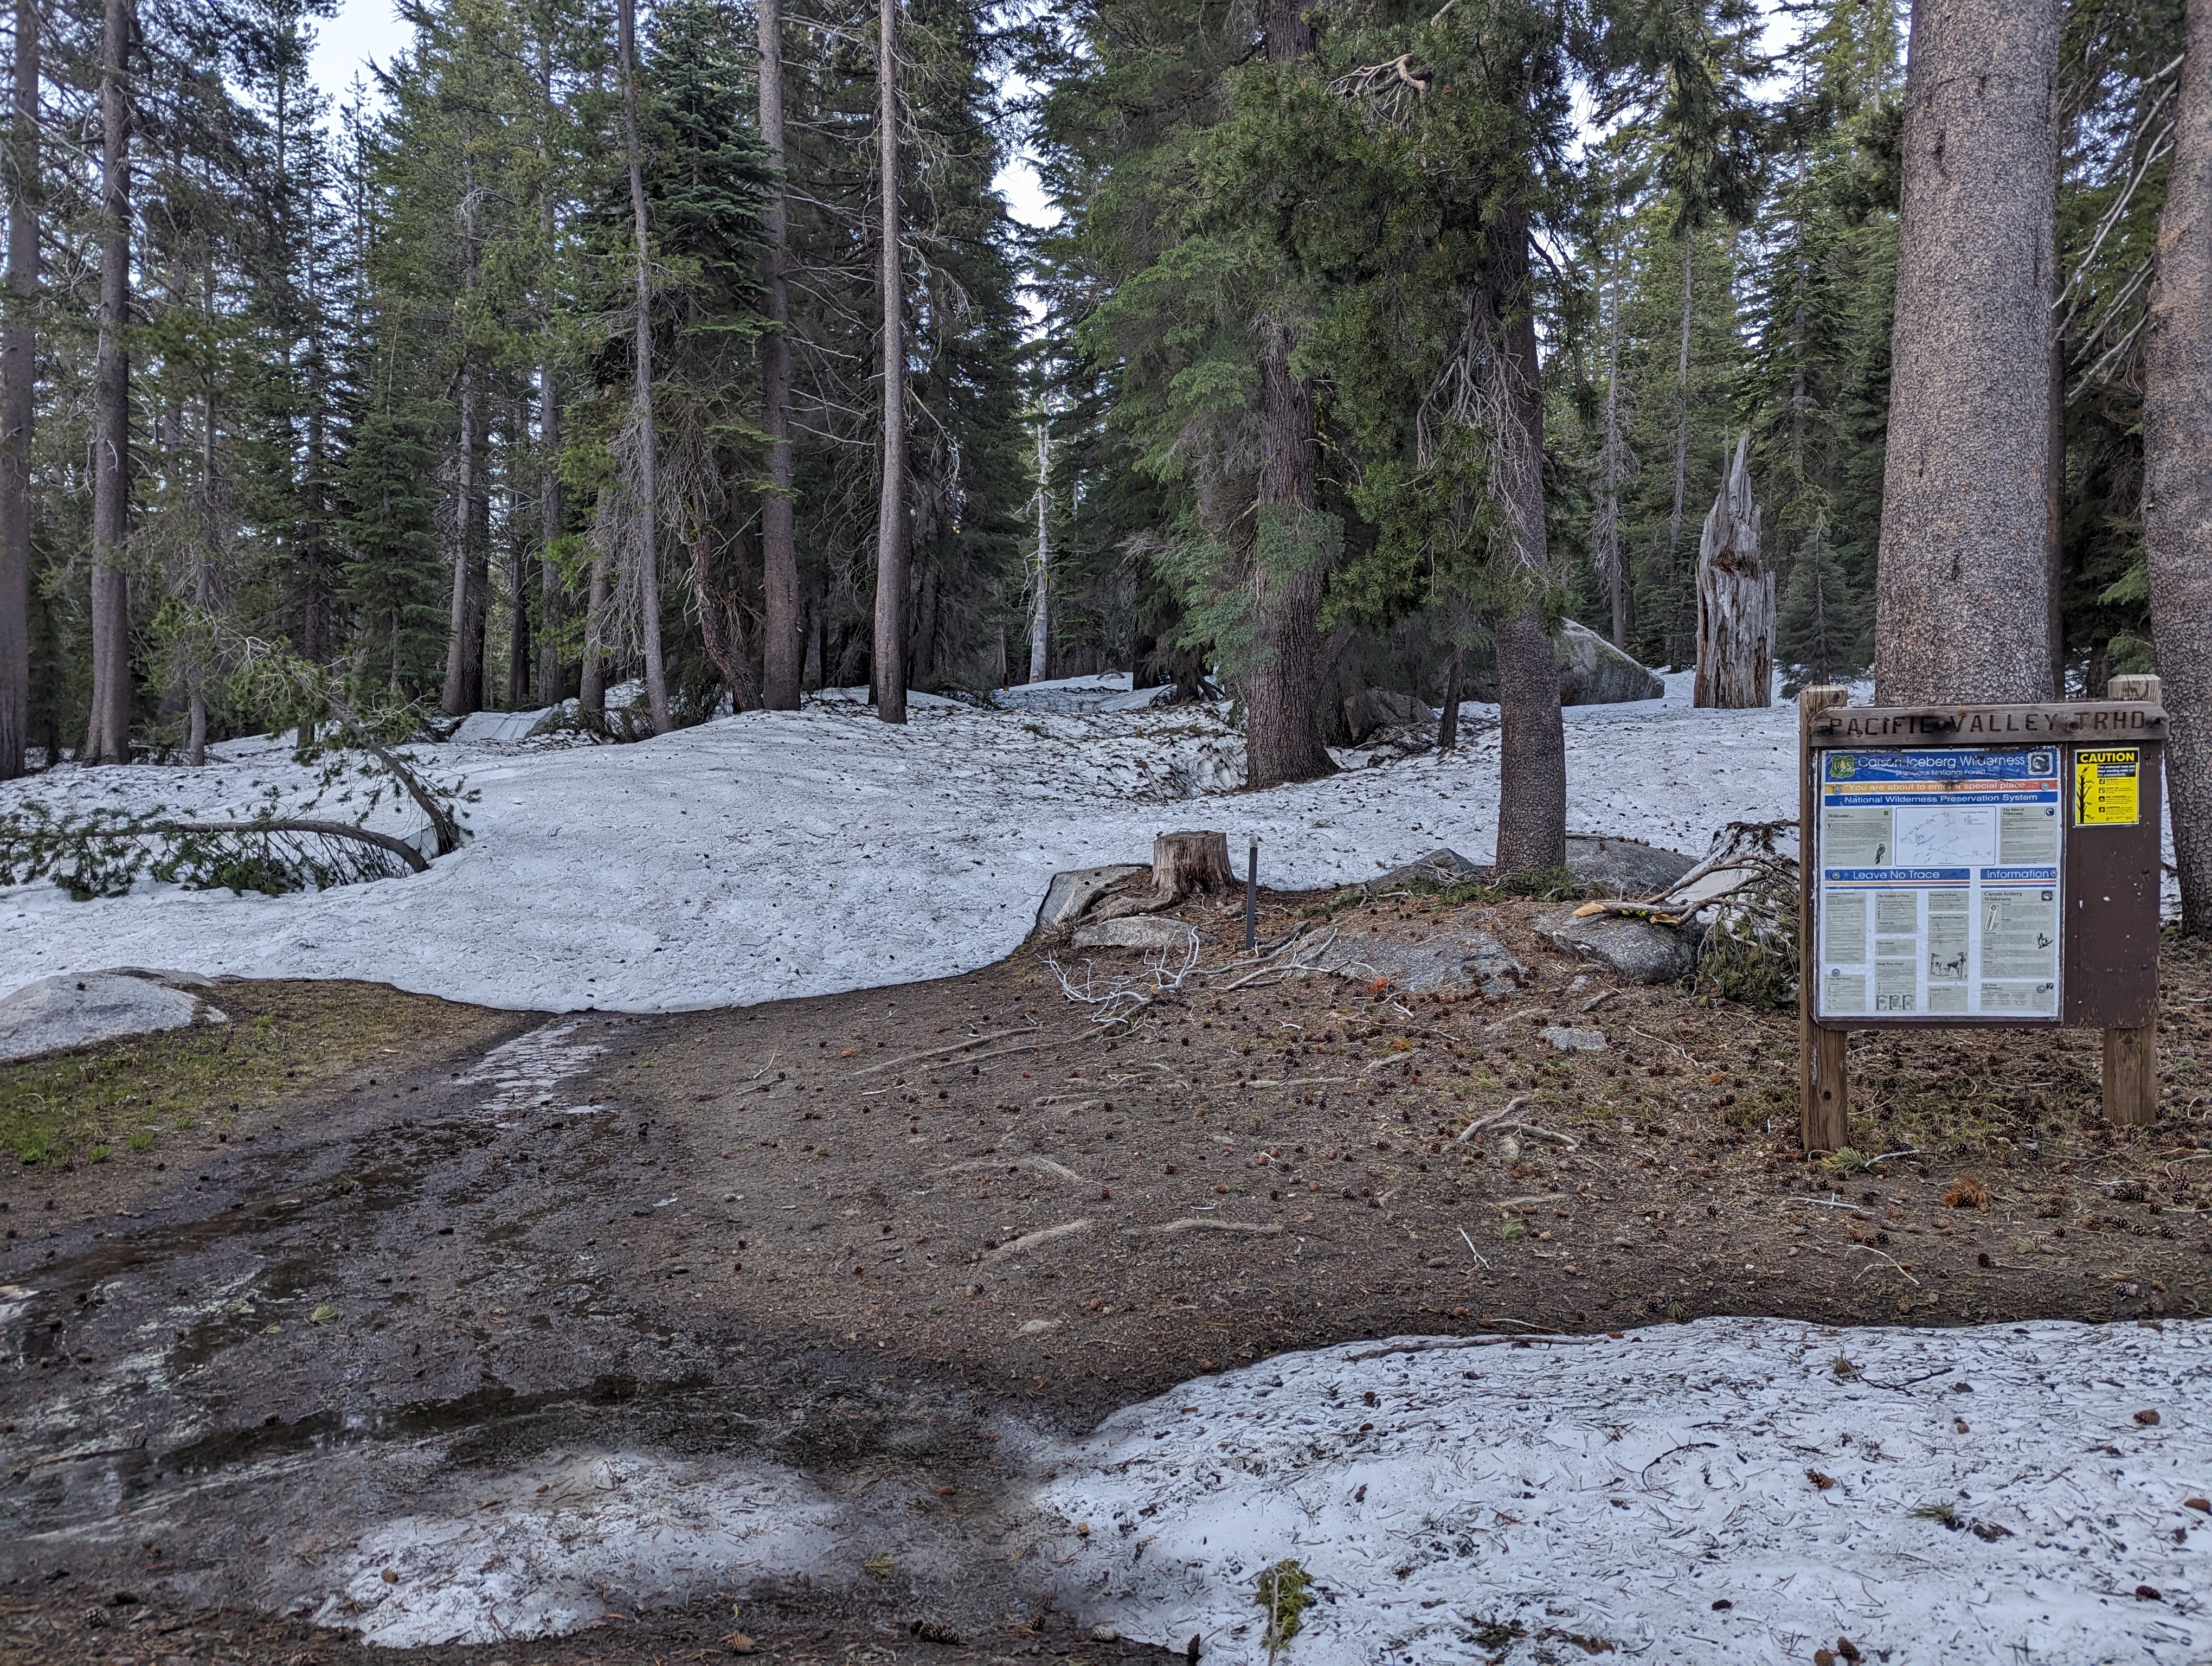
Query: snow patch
568	1546
1732	1489
782	853
524	1073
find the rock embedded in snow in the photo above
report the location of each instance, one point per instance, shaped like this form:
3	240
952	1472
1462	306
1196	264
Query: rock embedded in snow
1640	951
1140	932
55	1014
1624	867
1442	868
1592	672
1373	709
1071	892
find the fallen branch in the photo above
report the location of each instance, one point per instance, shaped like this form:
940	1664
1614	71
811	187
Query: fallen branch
1040	1165
1475	1128
1206	1223
1031	1240
943	1052
1449	1344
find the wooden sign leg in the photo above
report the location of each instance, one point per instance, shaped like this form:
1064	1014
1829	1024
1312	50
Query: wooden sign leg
1824	1113
2132	1076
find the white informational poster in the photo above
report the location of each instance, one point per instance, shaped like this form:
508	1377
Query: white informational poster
1938	893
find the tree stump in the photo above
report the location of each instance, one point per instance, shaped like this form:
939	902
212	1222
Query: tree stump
1185	862
1735	599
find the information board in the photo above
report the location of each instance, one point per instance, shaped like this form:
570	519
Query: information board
1938	875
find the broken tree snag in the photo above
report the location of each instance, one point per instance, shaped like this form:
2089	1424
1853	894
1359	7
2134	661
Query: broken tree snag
1824	1084
1185	862
1735	599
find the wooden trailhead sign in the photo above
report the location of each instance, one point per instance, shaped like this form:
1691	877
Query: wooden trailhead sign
1979	865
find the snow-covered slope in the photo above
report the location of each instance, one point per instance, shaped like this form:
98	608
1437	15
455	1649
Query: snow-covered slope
798	853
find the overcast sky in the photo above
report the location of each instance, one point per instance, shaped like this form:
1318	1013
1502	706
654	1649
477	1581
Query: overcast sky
367	29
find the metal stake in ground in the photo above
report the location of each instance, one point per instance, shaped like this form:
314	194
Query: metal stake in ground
1252	898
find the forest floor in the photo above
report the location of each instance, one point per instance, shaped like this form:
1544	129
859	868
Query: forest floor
311	1344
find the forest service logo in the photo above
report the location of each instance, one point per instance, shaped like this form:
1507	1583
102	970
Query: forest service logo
1843	767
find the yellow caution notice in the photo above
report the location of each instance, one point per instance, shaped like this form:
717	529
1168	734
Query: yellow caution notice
2106	792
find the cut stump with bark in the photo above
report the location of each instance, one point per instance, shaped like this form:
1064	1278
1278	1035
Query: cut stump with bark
1187	862
1735	599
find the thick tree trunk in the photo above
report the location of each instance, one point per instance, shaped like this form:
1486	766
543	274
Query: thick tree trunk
1532	787
889	670
648	458
1963	598
19	370
203	558
1282	691
1041	618
108	737
782	643
1735	598
2177	467
1186	862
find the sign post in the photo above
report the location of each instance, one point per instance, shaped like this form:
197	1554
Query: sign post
1979	866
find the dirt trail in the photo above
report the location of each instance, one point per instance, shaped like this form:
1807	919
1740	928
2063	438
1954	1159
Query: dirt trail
875	1240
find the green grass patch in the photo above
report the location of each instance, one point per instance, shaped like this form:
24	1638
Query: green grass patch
283	1039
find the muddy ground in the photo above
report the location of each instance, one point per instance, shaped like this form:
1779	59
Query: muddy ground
889	1236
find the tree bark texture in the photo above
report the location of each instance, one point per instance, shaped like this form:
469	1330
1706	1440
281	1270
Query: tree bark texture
1454	691
1962	606
781	646
552	513
889	665
108	736
1681	411
1282	689
592	685
1186	862
2178	466
1041	620
1532	787
463	687
1735	598
19	370
1610	562
648	458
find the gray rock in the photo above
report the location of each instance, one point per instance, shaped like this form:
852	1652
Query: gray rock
1638	949
1071	892
58	1013
1490	967
1141	931
1624	867
1439	867
1569	1040
1373	709
1592	672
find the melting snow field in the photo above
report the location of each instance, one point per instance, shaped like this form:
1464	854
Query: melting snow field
781	854
1729	1490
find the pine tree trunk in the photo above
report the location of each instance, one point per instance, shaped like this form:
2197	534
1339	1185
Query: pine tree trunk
1681	414
782	644
1735	598
108	739
591	687
1454	691
1282	692
1039	620
1610	560
465	647
1532	787
648	459
2177	466
888	672
552	512
18	388
203	557
1963	597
